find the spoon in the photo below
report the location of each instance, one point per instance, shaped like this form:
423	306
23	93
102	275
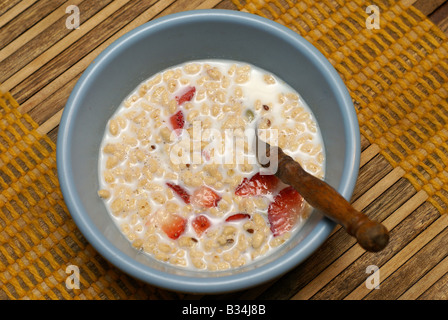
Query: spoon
371	236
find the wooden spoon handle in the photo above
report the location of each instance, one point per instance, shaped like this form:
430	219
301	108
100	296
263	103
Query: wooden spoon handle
371	235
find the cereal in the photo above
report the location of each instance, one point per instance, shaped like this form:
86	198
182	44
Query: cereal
269	79
173	157
192	68
104	193
113	127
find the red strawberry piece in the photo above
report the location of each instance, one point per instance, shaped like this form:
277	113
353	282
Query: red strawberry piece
181	192
173	226
285	210
259	184
206	155
187	96
200	224
238	216
205	197
177	120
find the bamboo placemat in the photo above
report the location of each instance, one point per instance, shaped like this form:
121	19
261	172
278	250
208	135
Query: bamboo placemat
396	75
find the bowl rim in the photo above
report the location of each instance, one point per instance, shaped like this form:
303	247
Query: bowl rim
226	283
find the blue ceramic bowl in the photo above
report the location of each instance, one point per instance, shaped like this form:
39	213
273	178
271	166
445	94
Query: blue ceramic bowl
169	41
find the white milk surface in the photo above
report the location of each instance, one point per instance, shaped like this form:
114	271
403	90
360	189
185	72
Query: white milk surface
139	154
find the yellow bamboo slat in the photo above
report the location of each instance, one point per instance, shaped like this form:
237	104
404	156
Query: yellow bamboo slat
379	188
401	257
15	11
356	251
35	30
61	45
426	281
82	64
368	154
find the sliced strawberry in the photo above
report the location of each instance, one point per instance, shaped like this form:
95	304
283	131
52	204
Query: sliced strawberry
206	155
285	210
238	216
187	96
173	226
200	224
177	120
205	197
181	192
259	184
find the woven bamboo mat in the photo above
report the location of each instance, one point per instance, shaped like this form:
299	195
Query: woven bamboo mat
397	76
